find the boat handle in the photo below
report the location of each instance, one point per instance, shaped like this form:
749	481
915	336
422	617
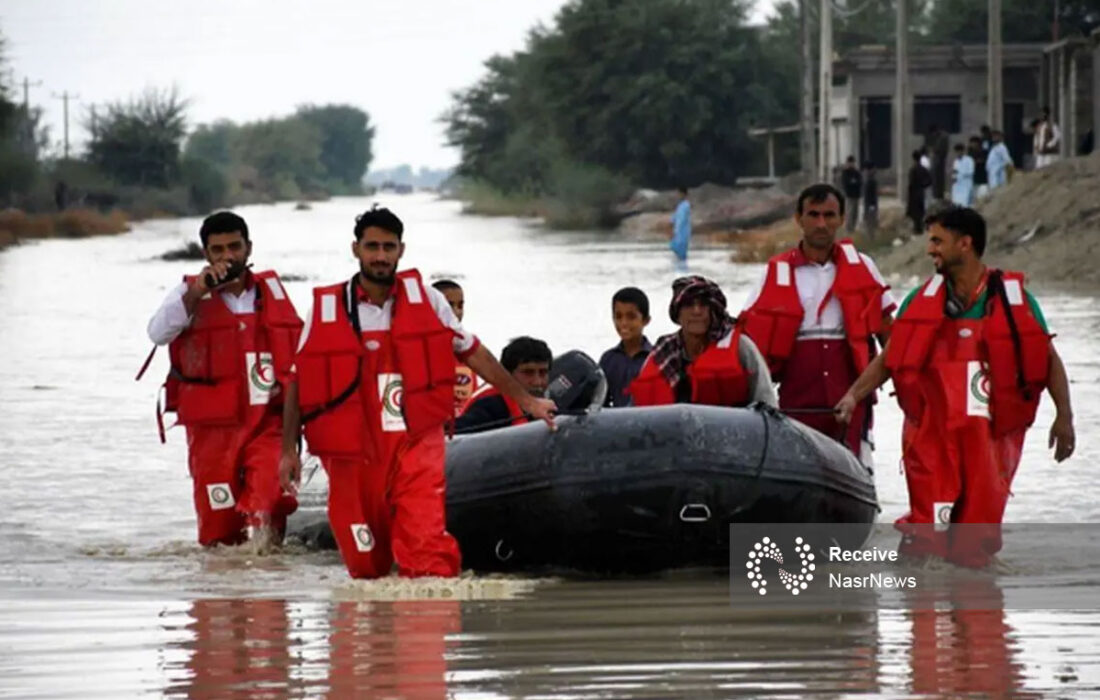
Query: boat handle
695	513
503	557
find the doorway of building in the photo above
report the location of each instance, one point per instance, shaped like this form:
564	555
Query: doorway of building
876	132
1016	138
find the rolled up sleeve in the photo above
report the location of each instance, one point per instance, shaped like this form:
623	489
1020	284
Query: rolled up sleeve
170	319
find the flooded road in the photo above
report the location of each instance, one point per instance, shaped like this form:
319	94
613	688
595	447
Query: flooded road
103	592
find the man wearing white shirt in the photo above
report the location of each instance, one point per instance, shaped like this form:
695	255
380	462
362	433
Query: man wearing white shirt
1047	140
815	315
231	335
375	377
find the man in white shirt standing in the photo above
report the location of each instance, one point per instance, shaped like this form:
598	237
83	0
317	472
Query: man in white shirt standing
231	334
375	382
815	317
1047	140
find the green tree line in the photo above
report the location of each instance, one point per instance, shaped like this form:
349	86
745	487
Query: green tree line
657	93
141	157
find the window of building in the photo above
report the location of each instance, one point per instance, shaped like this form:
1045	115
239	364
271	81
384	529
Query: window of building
944	111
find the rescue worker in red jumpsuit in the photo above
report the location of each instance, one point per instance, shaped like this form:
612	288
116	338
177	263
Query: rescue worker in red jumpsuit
708	361
375	385
815	316
231	334
970	355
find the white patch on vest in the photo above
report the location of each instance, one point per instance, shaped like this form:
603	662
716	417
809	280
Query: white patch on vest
260	375
977	389
934	285
783	274
328	308
965	332
220	496
276	288
851	253
941	515
372	345
412	291
364	538
391	396
724	343
1014	292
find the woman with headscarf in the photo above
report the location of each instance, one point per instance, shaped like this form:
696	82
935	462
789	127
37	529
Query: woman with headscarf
708	361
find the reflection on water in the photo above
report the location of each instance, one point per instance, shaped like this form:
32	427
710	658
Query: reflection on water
104	594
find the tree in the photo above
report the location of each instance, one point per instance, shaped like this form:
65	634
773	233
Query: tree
138	142
346	136
966	22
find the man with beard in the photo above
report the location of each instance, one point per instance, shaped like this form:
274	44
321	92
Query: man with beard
231	334
375	383
970	356
815	316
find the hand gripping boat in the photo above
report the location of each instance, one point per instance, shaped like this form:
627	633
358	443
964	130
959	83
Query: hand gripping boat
629	490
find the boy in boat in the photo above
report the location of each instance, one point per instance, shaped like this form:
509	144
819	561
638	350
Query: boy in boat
621	364
465	378
528	361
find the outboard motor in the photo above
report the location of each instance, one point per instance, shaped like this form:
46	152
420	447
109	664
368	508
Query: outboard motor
576	383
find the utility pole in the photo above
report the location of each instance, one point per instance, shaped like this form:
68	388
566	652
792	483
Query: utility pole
995	115
809	165
27	85
65	97
901	98
826	87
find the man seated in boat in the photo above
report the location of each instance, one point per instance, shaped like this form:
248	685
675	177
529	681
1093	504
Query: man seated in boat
528	359
708	361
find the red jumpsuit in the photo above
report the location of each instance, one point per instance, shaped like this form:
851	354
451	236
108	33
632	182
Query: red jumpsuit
814	373
225	385
959	384
374	403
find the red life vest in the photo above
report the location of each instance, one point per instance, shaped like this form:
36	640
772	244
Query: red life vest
225	366
1017	371
717	378
466	385
774	320
396	381
488	390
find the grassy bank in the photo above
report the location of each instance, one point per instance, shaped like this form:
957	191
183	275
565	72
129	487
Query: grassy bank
17	225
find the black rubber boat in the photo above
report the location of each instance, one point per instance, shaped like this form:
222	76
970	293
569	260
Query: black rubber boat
630	490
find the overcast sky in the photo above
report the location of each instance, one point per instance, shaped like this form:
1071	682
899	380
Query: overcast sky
247	59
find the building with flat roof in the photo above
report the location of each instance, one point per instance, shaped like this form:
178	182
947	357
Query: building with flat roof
949	89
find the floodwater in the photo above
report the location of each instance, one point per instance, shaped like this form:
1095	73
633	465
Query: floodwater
103	592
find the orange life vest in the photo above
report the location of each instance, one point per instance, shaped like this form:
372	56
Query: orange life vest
1017	368
488	390
774	320
347	396
226	366
717	378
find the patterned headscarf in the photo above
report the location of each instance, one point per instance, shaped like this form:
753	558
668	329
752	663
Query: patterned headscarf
668	353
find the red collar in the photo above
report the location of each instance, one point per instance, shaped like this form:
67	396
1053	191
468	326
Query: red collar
361	294
798	256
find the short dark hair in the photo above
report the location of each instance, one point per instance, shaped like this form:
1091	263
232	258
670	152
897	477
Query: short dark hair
819	192
379	217
960	146
961	221
917	154
632	295
222	222
682	189
445	285
524	349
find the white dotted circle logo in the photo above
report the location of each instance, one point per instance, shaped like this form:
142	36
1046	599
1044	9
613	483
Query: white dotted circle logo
767	549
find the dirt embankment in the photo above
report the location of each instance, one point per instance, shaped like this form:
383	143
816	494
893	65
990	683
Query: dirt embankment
1044	223
715	210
